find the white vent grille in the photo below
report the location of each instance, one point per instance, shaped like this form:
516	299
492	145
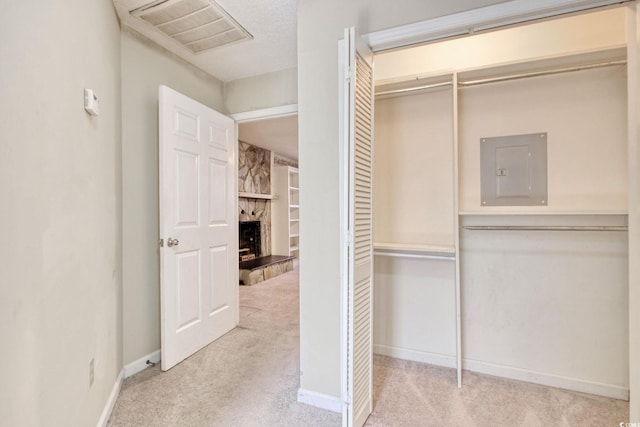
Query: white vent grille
198	25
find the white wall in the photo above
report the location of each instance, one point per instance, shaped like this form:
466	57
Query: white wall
413	188
547	307
415	309
262	91
320	26
60	186
585	116
144	67
547	39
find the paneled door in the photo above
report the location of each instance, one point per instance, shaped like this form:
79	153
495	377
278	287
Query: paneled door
198	226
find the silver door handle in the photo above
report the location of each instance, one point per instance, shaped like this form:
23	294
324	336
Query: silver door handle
172	242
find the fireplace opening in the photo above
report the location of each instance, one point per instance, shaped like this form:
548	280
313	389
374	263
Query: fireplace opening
249	240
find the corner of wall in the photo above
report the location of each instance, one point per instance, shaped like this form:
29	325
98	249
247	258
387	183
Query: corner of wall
263	91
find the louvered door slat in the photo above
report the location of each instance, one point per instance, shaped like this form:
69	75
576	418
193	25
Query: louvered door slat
360	227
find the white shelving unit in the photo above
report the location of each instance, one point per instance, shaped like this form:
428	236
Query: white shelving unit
564	215
285	211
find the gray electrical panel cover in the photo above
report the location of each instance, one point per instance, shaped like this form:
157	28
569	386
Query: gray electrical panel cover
513	170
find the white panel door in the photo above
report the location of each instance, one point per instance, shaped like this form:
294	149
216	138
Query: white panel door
198	226
358	109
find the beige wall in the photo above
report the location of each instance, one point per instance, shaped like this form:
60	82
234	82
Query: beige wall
320	26
60	186
145	67
413	199
263	91
584	114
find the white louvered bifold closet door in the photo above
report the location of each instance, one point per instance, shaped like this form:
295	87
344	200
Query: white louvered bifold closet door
360	127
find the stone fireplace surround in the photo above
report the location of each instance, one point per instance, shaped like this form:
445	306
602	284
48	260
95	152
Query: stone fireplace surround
254	177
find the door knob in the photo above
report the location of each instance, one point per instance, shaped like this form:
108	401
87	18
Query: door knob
172	242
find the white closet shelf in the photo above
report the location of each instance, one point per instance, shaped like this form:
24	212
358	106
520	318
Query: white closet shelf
408	250
534	213
255	196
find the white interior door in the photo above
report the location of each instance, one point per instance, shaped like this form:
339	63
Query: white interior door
358	135
198	226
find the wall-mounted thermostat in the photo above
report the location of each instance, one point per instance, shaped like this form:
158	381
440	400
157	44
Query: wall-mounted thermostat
91	103
513	170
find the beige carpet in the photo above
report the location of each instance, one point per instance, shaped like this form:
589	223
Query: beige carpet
250	377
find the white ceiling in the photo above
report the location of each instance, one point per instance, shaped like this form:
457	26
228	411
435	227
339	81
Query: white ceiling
279	135
273	47
272	24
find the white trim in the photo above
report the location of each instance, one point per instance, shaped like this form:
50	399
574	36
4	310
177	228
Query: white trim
415	355
141	364
265	113
520	374
470	21
575	384
343	203
633	121
111	401
320	400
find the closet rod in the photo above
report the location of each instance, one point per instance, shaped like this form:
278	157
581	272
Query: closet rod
412	89
547	228
540	73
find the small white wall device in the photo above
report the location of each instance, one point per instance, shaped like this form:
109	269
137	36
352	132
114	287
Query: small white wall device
91	103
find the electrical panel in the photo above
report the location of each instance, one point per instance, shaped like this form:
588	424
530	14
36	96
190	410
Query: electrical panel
513	170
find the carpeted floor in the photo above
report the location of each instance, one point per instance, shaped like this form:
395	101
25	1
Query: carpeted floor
250	377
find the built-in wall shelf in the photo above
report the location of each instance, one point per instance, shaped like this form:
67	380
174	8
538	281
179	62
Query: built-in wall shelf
285	211
255	196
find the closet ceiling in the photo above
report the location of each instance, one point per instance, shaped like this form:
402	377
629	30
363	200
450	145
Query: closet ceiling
270	44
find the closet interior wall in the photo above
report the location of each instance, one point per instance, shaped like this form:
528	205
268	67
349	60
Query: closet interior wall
544	306
414	205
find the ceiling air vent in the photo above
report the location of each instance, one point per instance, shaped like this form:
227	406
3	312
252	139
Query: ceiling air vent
199	25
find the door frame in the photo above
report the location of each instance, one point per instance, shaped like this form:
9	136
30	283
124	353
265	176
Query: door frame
265	113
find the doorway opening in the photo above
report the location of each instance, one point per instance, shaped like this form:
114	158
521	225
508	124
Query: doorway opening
268	192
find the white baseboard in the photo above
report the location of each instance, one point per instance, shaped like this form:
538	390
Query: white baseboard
113	396
520	374
320	400
141	364
415	355
575	384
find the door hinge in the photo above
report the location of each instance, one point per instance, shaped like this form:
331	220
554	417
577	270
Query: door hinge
348	75
161	242
347	239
